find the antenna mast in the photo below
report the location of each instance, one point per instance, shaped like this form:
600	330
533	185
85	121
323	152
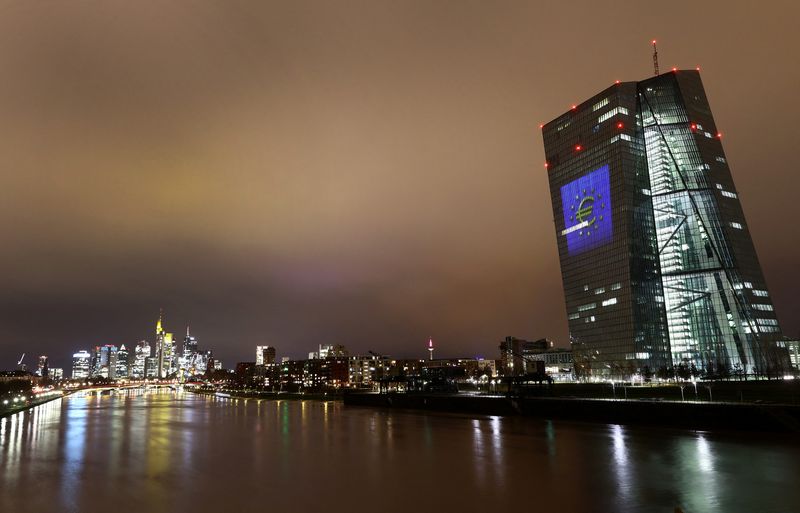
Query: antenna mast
655	57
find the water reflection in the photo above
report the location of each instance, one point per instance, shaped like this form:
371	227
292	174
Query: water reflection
161	451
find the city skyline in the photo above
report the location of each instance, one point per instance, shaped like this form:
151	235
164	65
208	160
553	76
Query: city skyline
354	186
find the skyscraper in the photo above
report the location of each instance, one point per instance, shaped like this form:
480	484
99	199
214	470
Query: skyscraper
265	355
189	353
80	365
141	353
104	361
658	266
122	362
165	350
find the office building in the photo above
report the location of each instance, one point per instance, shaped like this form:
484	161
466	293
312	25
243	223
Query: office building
81	364
658	267
265	355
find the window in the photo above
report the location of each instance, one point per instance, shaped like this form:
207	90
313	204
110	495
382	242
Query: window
736	225
768	322
599	105
616	286
589	306
760	293
625	137
763	308
729	194
613	112
599	290
609	302
574	316
748	285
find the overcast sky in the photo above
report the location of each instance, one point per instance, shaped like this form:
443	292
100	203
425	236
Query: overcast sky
365	173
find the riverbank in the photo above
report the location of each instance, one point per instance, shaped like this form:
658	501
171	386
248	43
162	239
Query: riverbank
275	396
678	414
13	410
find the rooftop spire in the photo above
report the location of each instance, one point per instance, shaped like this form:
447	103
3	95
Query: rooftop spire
655	57
159	329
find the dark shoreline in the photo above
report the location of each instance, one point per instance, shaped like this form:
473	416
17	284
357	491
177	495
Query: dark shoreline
683	415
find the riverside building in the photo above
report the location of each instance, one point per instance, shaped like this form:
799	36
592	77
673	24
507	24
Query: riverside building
658	267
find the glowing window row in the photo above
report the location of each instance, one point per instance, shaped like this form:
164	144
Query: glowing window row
613	112
599	105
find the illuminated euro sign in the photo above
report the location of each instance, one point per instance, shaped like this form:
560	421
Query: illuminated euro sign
587	212
585	209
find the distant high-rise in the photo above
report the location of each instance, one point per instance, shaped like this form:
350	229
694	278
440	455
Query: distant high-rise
42	369
189	353
122	362
140	355
265	355
104	361
658	266
80	365
165	350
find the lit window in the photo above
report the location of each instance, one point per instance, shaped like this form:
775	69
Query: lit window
763	308
736	225
586	288
748	285
574	316
589	306
721	159
625	137
616	286
609	302
728	194
600	290
719	186
614	139
613	112
768	322
599	105
760	293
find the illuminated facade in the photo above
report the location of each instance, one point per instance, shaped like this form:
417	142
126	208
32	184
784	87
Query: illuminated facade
658	266
80	365
165	351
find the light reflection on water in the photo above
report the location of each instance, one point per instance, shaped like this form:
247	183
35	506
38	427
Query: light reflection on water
165	451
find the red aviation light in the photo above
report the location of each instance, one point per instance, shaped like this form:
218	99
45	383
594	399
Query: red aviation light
674	69
617	82
693	127
574	107
620	125
578	147
541	125
719	135
698	68
653	42
546	164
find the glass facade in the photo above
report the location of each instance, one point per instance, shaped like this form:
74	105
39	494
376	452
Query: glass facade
658	267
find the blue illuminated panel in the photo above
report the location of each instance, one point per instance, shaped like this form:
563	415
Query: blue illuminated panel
586	203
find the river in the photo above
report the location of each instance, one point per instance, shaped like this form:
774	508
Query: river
164	451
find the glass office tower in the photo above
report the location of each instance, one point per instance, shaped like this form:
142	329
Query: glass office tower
659	270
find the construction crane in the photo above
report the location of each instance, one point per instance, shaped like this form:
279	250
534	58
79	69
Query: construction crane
19	363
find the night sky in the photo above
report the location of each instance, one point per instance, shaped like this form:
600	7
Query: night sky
365	173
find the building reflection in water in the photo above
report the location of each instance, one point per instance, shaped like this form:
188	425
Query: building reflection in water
163	452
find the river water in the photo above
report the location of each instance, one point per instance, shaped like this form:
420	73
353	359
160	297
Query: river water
178	452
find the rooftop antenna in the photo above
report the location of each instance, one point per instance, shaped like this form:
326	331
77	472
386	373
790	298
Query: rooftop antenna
655	57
